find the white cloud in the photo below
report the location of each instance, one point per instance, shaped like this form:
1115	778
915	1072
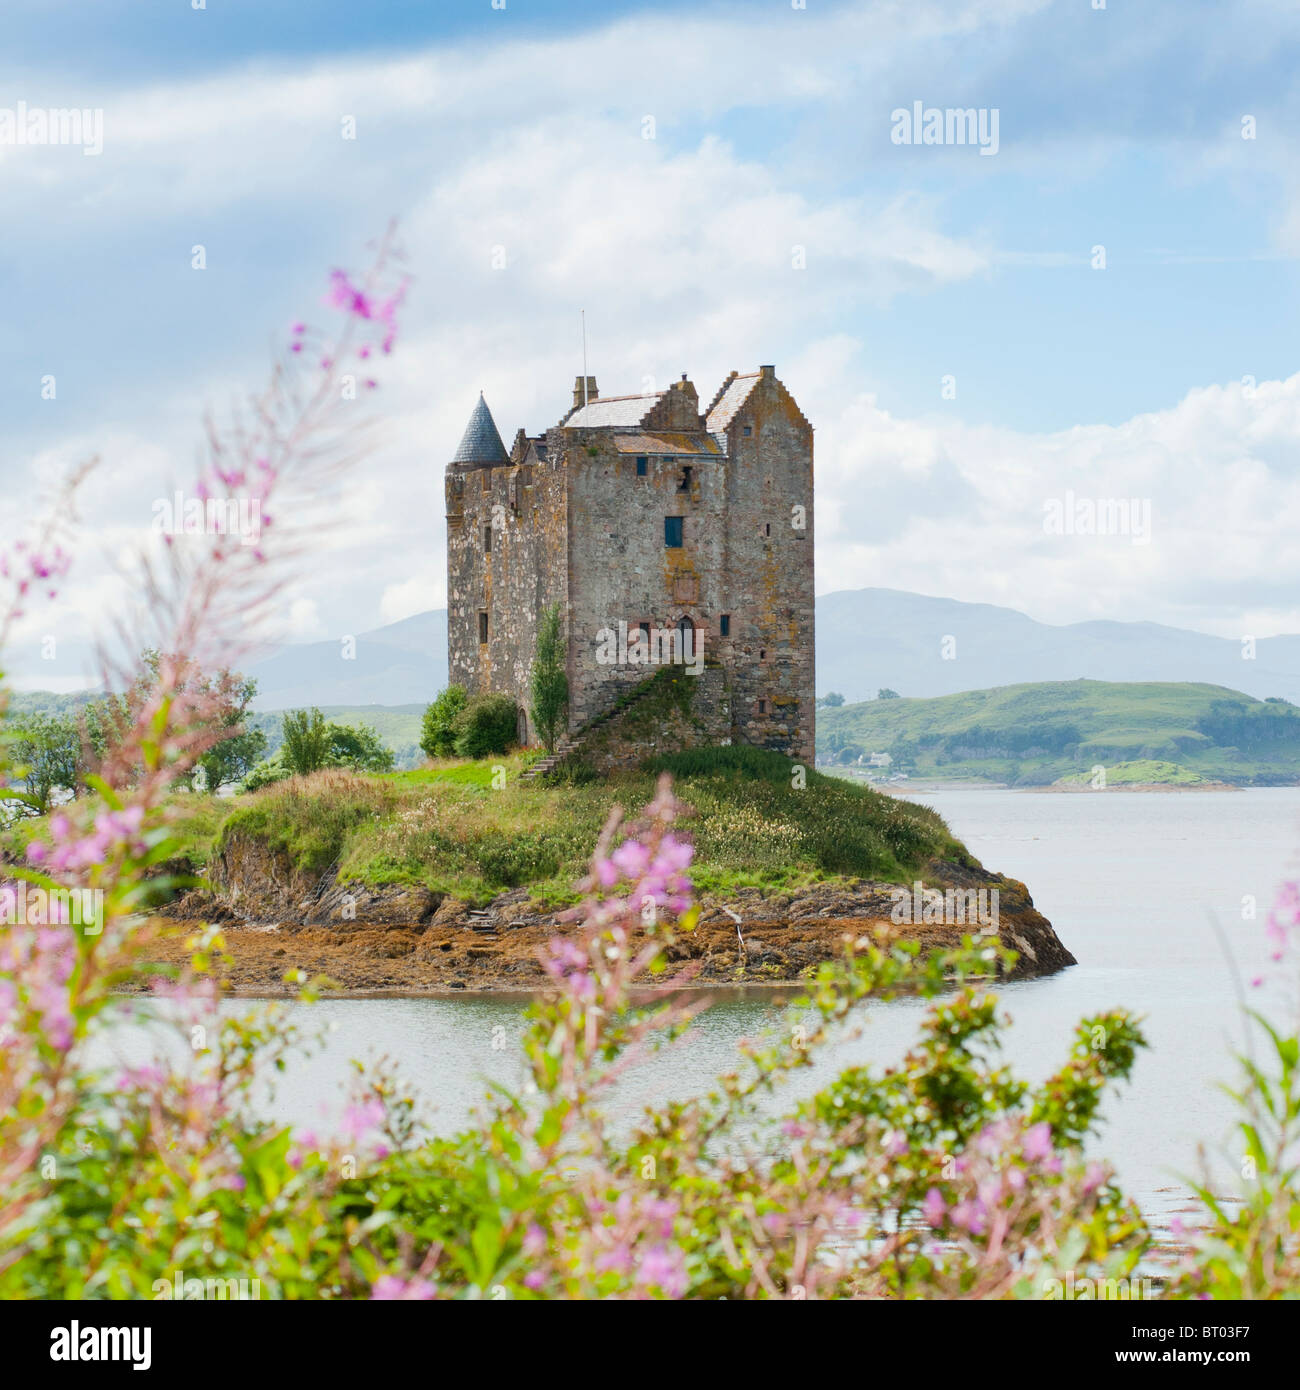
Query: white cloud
947	509
417	594
304	622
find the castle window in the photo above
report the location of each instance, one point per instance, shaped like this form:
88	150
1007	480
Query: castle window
762	707
482	627
487	481
749	429
762	654
685	484
642	463
673	532
767	528
724	625
487	540
645	632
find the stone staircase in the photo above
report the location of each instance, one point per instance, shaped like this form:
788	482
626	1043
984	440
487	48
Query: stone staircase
570	743
543	765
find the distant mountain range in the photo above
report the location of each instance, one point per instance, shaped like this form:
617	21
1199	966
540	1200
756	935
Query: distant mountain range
401	664
869	638
866	639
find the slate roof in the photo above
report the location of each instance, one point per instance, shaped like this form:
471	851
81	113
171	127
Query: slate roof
481	442
729	402
613	411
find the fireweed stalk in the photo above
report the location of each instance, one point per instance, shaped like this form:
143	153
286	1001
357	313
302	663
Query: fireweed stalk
1248	1246
208	601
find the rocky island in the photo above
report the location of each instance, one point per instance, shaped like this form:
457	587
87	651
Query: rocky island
440	880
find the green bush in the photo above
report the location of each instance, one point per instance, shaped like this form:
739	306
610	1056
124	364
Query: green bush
306	746
438	731
488	724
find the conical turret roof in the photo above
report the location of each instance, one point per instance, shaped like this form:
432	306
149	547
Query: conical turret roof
481	442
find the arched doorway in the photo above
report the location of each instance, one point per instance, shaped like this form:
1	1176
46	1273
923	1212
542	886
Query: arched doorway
686	639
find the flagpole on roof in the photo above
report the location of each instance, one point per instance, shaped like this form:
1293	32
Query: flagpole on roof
584	357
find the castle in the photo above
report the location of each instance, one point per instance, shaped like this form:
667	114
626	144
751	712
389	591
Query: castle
664	533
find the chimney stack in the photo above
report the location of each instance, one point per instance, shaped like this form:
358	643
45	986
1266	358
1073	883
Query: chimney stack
578	402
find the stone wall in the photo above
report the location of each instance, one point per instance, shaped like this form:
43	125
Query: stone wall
512	580
769	571
620	567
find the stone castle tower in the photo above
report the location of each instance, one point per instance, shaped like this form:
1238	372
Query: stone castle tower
660	530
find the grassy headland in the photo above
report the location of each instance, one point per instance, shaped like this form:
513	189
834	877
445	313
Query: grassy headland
450	829
1036	734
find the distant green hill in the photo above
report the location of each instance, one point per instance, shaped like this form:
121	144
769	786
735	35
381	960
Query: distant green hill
1031	735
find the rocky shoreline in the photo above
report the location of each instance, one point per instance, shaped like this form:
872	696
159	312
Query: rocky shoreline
404	939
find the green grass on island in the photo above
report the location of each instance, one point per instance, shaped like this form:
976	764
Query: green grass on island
1143	772
1170	733
455	828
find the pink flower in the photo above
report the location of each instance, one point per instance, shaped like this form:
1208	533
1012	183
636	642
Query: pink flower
390	1288
895	1143
662	1213
969	1216
358	1120
674	855
934	1207
631	859
534	1241
663	1267
151	1077
1037	1142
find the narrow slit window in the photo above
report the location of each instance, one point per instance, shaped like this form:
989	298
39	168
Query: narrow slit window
762	707
482	627
487	540
767	528
724	625
673	532
487	481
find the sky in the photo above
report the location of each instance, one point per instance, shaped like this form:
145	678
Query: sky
1099	307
